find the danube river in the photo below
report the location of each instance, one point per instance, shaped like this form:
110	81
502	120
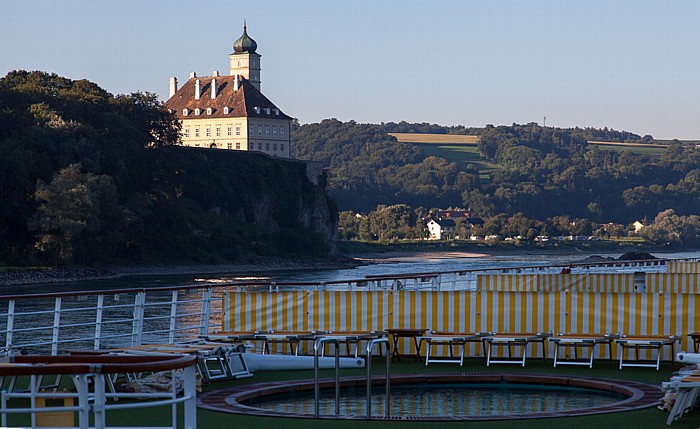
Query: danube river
399	265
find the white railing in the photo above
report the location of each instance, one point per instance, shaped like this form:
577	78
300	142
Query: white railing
53	323
94	396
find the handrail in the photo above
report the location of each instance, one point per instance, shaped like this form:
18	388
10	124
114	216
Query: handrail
318	345
92	403
387	403
97	364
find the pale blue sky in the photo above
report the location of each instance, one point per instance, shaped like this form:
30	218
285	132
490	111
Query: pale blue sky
627	65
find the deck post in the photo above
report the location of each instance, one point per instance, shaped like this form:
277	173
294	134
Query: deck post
98	321
56	326
173	317
190	392
206	311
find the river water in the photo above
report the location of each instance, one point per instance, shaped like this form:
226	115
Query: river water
389	267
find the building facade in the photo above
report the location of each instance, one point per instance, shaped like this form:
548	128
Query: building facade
230	112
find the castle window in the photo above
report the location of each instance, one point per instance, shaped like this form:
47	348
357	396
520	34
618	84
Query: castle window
238	131
208	110
238	145
218	131
274	147
226	110
187	132
208	132
282	147
259	146
229	145
185	112
259	130
197	111
281	132
228	131
252	128
196	132
267	132
274	132
267	146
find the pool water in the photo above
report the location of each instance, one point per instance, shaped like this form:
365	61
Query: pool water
433	400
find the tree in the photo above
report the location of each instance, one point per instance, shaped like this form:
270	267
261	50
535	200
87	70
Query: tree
669	228
76	210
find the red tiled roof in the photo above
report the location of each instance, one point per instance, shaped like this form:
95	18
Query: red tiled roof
241	103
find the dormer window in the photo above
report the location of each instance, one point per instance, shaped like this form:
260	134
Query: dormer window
277	112
225	110
257	110
267	110
185	112
208	110
197	111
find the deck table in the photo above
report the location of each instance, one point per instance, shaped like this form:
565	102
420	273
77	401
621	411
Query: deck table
411	333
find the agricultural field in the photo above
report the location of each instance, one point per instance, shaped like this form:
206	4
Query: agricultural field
650	149
436	138
454	148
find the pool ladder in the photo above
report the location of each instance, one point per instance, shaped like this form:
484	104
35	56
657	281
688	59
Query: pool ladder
318	349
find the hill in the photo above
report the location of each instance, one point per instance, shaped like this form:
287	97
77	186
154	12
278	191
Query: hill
90	178
535	171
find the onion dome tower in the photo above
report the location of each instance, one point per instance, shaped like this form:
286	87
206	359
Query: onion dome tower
245	61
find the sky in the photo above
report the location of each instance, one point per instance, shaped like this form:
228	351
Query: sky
626	65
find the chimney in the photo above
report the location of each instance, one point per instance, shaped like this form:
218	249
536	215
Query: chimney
193	75
213	89
197	89
173	86
235	83
216	73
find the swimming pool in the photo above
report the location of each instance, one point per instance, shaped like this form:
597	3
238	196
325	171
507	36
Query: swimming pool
444	397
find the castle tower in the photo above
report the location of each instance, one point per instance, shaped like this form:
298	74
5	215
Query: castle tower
244	61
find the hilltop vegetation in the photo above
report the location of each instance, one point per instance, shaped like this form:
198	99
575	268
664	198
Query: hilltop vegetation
87	177
537	173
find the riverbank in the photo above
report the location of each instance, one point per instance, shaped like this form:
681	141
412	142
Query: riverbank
364	254
75	274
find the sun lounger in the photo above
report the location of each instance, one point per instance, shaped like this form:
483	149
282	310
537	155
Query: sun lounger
510	341
652	342
449	340
688	388
580	341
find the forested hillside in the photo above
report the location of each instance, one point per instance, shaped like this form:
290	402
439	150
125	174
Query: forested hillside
541	172
87	177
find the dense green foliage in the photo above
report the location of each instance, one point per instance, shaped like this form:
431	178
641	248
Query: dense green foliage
400	223
87	177
540	172
369	167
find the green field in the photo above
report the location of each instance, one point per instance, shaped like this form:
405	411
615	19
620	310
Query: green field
454	148
649	149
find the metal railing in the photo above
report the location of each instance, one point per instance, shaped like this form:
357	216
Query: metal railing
387	382
51	323
318	349
91	377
